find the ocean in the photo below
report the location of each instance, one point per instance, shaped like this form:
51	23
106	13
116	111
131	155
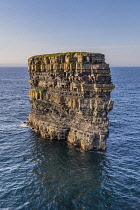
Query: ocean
40	174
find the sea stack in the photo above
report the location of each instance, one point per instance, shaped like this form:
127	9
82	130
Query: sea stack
70	98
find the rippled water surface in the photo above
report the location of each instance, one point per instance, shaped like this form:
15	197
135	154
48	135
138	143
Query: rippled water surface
39	174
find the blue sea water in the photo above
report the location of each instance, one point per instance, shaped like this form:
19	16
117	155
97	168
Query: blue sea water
38	174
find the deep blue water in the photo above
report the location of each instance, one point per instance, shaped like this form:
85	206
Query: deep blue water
38	174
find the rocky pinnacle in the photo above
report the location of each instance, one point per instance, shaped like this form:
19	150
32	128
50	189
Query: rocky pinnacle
70	98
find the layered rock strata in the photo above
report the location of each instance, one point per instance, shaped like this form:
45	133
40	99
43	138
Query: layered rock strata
70	98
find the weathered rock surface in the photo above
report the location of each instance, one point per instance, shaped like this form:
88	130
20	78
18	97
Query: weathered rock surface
70	98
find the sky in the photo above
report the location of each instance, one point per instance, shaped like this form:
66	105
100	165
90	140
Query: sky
33	27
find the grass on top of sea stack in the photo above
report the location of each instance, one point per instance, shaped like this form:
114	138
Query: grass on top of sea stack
66	53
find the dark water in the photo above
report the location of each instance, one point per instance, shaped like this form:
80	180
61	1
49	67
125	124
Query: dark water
39	174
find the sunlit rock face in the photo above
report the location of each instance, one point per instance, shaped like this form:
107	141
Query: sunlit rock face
70	98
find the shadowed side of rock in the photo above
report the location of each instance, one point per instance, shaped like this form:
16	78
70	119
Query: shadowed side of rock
70	98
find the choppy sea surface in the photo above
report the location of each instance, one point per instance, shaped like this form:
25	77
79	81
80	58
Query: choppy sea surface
38	174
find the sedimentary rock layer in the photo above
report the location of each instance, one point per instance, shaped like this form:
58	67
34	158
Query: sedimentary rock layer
70	98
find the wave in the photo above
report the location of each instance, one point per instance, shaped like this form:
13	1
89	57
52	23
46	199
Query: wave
23	124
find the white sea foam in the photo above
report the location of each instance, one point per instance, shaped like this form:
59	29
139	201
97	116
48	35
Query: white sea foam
23	124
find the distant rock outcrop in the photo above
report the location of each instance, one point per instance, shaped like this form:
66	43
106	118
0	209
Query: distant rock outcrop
70	98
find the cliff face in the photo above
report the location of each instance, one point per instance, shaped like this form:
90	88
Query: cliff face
70	98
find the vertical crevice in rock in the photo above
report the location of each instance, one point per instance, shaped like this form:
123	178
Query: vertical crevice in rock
70	98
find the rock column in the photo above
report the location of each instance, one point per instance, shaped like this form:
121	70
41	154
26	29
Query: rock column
70	98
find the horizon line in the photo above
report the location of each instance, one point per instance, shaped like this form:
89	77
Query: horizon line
27	66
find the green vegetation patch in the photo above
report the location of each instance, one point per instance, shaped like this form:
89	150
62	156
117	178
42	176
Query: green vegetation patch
39	89
66	53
